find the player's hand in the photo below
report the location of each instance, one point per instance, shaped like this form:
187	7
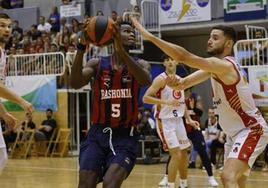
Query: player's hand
146	35
174	103
194	124
83	37
28	107
9	120
175	82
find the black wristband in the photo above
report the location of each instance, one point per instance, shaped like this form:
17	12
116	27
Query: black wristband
81	47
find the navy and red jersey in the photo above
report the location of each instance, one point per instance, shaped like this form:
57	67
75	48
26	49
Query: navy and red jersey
195	117
115	95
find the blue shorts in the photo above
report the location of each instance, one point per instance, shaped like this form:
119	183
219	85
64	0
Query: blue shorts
97	155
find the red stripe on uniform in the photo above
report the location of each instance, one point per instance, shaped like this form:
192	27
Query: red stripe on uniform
96	106
233	99
135	96
249	145
161	134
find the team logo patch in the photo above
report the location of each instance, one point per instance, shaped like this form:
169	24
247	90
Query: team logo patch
106	79
127	160
235	150
166	4
176	94
126	79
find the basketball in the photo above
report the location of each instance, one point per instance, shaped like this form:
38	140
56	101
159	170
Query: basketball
100	30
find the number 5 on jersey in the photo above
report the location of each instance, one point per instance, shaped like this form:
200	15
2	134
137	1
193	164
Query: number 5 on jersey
115	110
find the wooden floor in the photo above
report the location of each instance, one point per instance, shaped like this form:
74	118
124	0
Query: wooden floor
62	173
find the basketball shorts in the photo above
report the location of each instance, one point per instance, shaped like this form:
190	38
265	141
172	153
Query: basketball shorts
247	145
172	133
98	152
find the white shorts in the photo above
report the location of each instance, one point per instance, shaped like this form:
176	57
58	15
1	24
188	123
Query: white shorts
172	133
247	145
2	141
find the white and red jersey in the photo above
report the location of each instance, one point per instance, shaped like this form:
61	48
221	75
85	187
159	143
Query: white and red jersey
167	93
234	103
3	61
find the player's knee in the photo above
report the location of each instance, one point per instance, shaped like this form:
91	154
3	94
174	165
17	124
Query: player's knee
228	176
112	181
87	179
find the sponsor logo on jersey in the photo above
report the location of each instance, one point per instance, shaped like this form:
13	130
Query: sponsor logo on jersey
115	93
176	94
217	102
235	150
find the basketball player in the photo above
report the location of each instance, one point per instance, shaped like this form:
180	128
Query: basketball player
110	149
5	33
170	108
247	131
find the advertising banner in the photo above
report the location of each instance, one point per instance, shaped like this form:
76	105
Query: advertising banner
41	91
244	9
184	11
258	82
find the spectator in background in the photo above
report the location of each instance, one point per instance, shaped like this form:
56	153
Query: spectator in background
63	23
64	37
34	33
54	47
43	25
195	110
16	30
99	13
45	130
114	15
54	20
28	123
9	134
147	125
213	136
5	4
16	3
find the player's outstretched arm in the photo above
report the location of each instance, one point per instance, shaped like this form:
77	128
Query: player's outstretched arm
141	69
188	81
179	54
10	95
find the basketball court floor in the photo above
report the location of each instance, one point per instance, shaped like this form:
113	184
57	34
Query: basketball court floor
62	173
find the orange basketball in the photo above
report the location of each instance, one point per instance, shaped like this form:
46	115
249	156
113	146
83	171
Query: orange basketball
100	30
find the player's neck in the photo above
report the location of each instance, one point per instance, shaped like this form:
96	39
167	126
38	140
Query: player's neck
170	72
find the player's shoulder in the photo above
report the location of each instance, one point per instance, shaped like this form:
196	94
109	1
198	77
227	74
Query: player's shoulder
160	79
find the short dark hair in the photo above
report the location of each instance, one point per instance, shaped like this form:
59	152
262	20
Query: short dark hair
4	16
125	23
49	110
227	30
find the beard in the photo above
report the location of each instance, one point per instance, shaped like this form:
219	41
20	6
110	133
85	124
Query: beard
216	51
